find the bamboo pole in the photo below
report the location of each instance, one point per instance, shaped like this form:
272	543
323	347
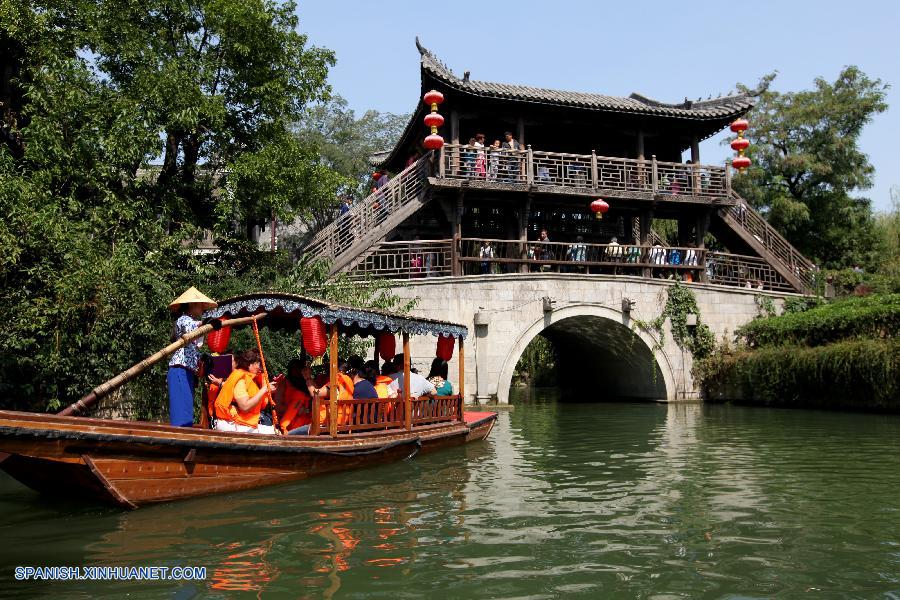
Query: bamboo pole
462	378
407	401
81	405
333	378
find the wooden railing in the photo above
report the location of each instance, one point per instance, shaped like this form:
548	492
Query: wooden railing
512	256
779	248
407	260
427	410
477	257
366	218
371	414
600	174
749	272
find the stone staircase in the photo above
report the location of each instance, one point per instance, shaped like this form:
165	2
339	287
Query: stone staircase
351	237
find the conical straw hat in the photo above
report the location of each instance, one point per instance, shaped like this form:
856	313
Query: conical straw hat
191	296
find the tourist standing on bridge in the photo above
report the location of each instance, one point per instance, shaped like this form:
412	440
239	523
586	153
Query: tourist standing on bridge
511	164
486	254
480	157
494	160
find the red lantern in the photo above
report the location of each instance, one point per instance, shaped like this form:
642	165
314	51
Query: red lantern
599	206
740	162
376	176
314	339
445	347
218	339
434	119
433	98
386	345
740	125
434	142
740	144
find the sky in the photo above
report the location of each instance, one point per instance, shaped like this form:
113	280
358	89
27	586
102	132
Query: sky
664	50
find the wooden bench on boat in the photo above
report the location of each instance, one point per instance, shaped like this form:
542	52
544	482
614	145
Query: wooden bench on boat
135	463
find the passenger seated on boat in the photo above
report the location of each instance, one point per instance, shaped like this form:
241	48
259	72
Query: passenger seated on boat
294	398
418	385
383	381
438	377
363	382
240	400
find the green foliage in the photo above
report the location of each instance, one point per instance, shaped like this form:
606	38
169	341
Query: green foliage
765	306
699	339
537	365
345	143
887	228
807	164
800	304
857	374
96	240
876	316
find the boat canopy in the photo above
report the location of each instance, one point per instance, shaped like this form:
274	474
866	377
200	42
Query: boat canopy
283	311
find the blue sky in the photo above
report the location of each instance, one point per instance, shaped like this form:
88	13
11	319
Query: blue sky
665	50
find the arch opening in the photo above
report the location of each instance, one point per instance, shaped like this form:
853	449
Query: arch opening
597	357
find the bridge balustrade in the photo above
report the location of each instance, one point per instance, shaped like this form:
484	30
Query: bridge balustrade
441	258
584	172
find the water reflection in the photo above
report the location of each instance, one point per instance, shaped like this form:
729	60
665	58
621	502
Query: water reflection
564	500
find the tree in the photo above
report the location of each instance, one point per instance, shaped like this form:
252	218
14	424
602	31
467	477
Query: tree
807	165
96	239
347	142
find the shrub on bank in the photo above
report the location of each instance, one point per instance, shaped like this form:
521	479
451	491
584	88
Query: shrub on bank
854	374
876	316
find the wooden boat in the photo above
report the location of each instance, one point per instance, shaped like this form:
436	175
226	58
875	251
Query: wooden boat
133	463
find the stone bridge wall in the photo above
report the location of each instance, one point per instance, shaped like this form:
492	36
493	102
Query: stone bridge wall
587	316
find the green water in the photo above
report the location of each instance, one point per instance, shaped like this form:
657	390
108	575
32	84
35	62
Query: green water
563	500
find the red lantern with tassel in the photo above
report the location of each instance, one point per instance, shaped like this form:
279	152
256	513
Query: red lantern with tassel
599	206
739	144
218	339
445	347
386	345
433	120
740	162
314	339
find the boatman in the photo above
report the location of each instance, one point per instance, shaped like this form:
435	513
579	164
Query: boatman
183	366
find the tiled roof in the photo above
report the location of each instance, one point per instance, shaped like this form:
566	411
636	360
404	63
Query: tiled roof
715	108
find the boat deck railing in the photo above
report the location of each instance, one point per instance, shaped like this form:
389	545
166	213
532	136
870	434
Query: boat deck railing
373	414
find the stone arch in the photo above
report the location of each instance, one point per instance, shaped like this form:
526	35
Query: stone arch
563	322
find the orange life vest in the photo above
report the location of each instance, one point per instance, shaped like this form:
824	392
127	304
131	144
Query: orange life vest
226	408
381	386
296	408
344	392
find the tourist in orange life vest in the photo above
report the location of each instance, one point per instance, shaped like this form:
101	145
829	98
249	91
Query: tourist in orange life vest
294	404
382	381
240	401
321	389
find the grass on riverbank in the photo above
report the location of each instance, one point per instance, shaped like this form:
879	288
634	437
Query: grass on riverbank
844	354
854	374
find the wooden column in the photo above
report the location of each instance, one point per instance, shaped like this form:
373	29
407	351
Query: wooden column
456	267
454	139
462	378
520	131
407	401
639	151
695	150
524	215
333	380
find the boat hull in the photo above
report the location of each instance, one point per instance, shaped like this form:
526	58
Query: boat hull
132	464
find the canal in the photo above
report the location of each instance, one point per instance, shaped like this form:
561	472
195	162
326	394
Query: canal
563	500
